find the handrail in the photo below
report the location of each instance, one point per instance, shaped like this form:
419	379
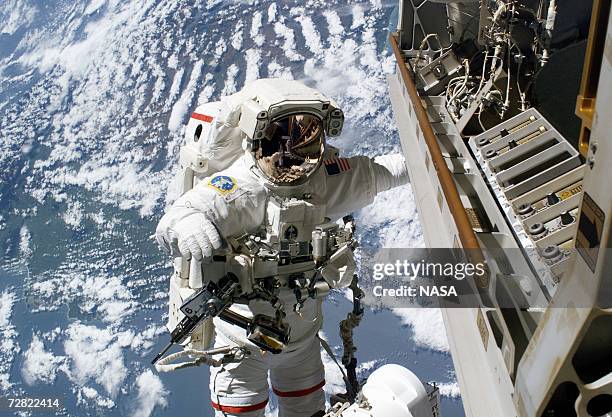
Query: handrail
464	227
585	102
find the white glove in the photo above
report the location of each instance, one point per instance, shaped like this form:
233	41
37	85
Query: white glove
193	236
390	171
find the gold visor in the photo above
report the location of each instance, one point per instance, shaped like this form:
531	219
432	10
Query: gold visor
291	149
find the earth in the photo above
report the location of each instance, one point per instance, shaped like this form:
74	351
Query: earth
94	97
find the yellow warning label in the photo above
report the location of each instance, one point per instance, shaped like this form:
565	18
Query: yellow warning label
565	194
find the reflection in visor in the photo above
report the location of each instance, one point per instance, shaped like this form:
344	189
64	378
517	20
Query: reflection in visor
291	149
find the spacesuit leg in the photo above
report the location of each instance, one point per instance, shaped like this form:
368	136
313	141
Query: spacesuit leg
239	389
298	382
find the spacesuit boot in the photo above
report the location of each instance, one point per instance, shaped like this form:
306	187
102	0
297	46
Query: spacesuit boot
271	219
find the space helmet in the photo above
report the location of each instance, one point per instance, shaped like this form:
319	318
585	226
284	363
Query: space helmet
285	125
291	148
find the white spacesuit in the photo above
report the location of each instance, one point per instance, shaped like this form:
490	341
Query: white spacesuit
269	219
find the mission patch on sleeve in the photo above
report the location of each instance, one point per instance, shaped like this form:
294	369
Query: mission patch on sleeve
223	184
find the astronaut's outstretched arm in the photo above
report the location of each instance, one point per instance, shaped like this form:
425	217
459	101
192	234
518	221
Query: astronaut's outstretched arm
352	183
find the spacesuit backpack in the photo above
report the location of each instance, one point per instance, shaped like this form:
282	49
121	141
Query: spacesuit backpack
213	141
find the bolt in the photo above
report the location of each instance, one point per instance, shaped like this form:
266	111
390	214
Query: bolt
551	251
483	141
536	229
490	153
591	162
525	208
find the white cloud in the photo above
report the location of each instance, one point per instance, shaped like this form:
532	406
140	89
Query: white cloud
230	80
394	217
16	15
257	38
334	24
175	88
123	183
310	33
7	300
8	342
275	70
207	92
344	70
73	216
25	239
427	327
39	365
272	9
95	355
334	382
88	395
151	393
94	6
99	293
358	17
288	47
449	389
253	58
143	341
183	104
366	368
77	58
236	38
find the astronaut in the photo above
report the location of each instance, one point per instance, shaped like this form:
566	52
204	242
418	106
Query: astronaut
267	206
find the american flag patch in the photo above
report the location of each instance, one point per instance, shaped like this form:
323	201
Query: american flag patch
335	166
